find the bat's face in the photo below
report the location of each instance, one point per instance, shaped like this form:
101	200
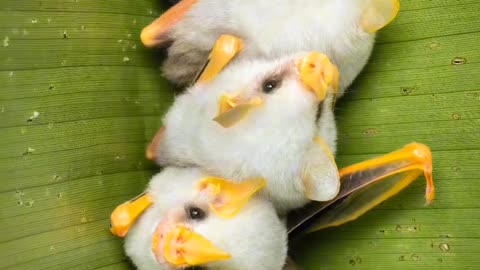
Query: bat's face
187	228
256	119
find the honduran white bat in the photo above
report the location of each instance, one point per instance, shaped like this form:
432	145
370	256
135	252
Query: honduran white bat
344	30
187	219
258	118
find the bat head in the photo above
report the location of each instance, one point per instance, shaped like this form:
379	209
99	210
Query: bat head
258	118
197	222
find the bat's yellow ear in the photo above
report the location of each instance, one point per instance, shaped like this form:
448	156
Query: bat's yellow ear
232	109
152	148
123	217
229	197
320	176
224	50
378	14
156	33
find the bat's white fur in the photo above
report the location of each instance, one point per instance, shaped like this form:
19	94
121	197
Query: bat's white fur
272	29
274	142
255	237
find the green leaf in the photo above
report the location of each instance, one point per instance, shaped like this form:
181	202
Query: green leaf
421	84
80	98
99	97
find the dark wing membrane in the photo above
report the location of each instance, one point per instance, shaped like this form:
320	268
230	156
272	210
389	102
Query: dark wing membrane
364	186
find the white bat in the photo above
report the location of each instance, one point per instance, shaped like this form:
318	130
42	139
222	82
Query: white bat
344	30
187	219
260	118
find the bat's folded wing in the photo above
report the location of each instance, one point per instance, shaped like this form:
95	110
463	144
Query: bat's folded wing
364	186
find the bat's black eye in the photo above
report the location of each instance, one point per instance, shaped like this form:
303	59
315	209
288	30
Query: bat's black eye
195	213
270	85
195	268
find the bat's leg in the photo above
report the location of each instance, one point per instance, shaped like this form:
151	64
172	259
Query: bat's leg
125	214
224	50
156	33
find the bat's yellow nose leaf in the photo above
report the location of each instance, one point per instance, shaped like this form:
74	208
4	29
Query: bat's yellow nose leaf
318	74
183	248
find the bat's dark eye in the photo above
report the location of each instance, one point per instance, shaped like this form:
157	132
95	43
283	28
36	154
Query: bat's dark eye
195	213
195	268
270	85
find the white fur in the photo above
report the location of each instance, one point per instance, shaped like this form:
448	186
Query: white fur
272	29
255	237
273	142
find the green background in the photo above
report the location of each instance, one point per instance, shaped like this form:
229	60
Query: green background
80	64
